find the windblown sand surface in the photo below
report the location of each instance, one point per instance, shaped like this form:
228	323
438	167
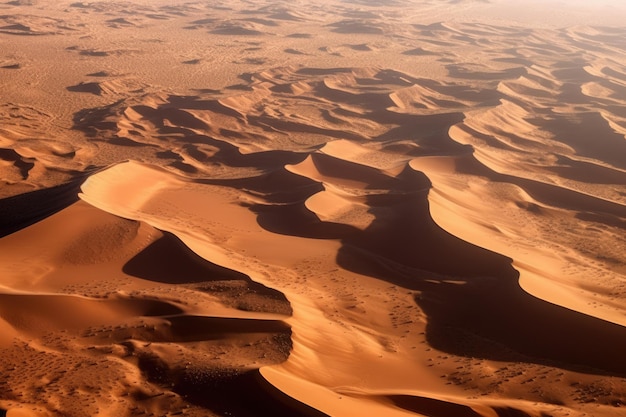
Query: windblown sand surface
335	208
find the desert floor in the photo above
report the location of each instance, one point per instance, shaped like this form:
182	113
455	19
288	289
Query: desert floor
333	208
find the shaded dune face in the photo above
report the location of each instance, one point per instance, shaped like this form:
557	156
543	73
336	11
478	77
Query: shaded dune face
25	209
169	261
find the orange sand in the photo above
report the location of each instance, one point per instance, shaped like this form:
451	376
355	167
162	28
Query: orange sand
337	208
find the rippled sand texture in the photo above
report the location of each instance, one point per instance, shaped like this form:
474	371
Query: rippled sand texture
333	208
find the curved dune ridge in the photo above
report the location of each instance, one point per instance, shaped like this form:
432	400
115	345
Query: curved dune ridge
331	209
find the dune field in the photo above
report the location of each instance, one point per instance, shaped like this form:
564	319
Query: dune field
293	208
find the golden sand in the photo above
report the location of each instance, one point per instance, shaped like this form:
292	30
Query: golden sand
335	208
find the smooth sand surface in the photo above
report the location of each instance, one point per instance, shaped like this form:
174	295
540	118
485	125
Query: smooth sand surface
335	208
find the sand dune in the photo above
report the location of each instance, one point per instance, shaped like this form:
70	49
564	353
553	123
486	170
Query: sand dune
345	208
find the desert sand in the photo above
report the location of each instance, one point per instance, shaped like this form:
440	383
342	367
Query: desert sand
293	208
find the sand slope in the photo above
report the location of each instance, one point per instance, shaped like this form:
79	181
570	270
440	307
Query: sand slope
337	208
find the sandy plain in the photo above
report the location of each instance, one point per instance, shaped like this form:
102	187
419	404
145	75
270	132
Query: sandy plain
335	208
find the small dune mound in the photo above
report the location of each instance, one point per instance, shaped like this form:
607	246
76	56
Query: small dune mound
358	27
239	28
